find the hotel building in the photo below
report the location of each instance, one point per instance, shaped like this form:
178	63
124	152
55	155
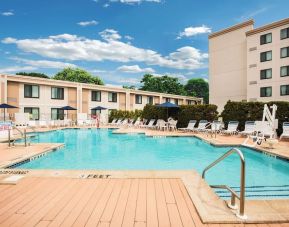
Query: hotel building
247	64
43	98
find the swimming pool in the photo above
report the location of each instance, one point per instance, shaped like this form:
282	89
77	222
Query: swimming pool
101	149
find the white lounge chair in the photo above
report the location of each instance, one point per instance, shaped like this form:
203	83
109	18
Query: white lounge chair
150	124
216	126
285	133
201	127
112	122
250	128
191	126
232	128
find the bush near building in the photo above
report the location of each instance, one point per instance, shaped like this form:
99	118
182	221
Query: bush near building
253	111
120	114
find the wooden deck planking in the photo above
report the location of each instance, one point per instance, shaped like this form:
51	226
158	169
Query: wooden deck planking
102	202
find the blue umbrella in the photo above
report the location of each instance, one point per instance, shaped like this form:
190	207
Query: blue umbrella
99	108
68	108
167	105
6	106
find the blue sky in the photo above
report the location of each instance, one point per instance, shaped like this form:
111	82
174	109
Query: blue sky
120	40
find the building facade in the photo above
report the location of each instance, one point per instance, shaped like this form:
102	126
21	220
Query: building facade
248	64
43	98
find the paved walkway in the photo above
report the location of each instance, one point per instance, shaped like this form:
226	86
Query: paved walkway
100	202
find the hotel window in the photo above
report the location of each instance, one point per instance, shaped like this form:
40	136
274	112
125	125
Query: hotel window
96	96
33	112
57	114
57	93
138	99
31	91
267	38
150	100
266	56
284	33
95	112
266	74
284	52
284	90
112	96
284	71
266	91
176	101
168	99
190	102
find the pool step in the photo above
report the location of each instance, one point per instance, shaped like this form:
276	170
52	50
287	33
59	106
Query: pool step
273	191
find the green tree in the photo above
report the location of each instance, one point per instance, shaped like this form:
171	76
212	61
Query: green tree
164	84
198	88
77	75
132	87
41	75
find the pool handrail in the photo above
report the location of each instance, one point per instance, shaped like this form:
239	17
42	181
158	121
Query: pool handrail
234	195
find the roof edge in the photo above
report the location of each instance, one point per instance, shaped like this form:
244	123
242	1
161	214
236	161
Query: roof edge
268	26
232	28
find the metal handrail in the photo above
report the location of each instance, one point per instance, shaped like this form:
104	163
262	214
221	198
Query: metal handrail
234	195
23	136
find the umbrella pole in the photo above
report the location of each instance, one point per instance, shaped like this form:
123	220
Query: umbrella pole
4	114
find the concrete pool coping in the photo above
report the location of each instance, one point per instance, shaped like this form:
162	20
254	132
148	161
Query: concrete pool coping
210	207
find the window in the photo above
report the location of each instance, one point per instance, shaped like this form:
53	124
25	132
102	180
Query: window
266	91
31	91
190	102
284	90
57	93
150	100
33	112
267	38
266	74
168	99
284	33
266	56
96	96
284	71
138	99
177	102
284	52
95	112
57	114
112	97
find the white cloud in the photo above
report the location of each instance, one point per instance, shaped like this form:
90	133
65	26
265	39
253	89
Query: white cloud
44	63
87	23
7	14
106	5
111	48
250	15
110	35
14	69
134	69
128	37
192	31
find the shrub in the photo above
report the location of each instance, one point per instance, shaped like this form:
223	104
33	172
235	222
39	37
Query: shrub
125	114
184	114
253	111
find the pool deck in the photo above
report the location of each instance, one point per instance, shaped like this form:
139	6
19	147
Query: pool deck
132	198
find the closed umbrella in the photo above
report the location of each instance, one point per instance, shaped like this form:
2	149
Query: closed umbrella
167	105
6	106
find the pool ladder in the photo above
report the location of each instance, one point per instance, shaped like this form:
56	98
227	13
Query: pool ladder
234	194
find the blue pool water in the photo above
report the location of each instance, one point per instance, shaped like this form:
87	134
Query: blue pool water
101	149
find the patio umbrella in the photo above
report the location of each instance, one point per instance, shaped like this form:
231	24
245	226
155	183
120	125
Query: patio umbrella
99	108
67	108
6	106
168	105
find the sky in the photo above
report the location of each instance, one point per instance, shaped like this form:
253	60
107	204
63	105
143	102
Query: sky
121	40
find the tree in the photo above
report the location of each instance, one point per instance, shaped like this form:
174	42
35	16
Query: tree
77	75
41	75
132	87
163	84
198	88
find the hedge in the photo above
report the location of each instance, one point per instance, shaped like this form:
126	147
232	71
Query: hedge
253	111
184	114
124	114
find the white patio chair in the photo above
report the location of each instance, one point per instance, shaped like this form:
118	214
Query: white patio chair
232	128
191	126
250	128
201	127
285	133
